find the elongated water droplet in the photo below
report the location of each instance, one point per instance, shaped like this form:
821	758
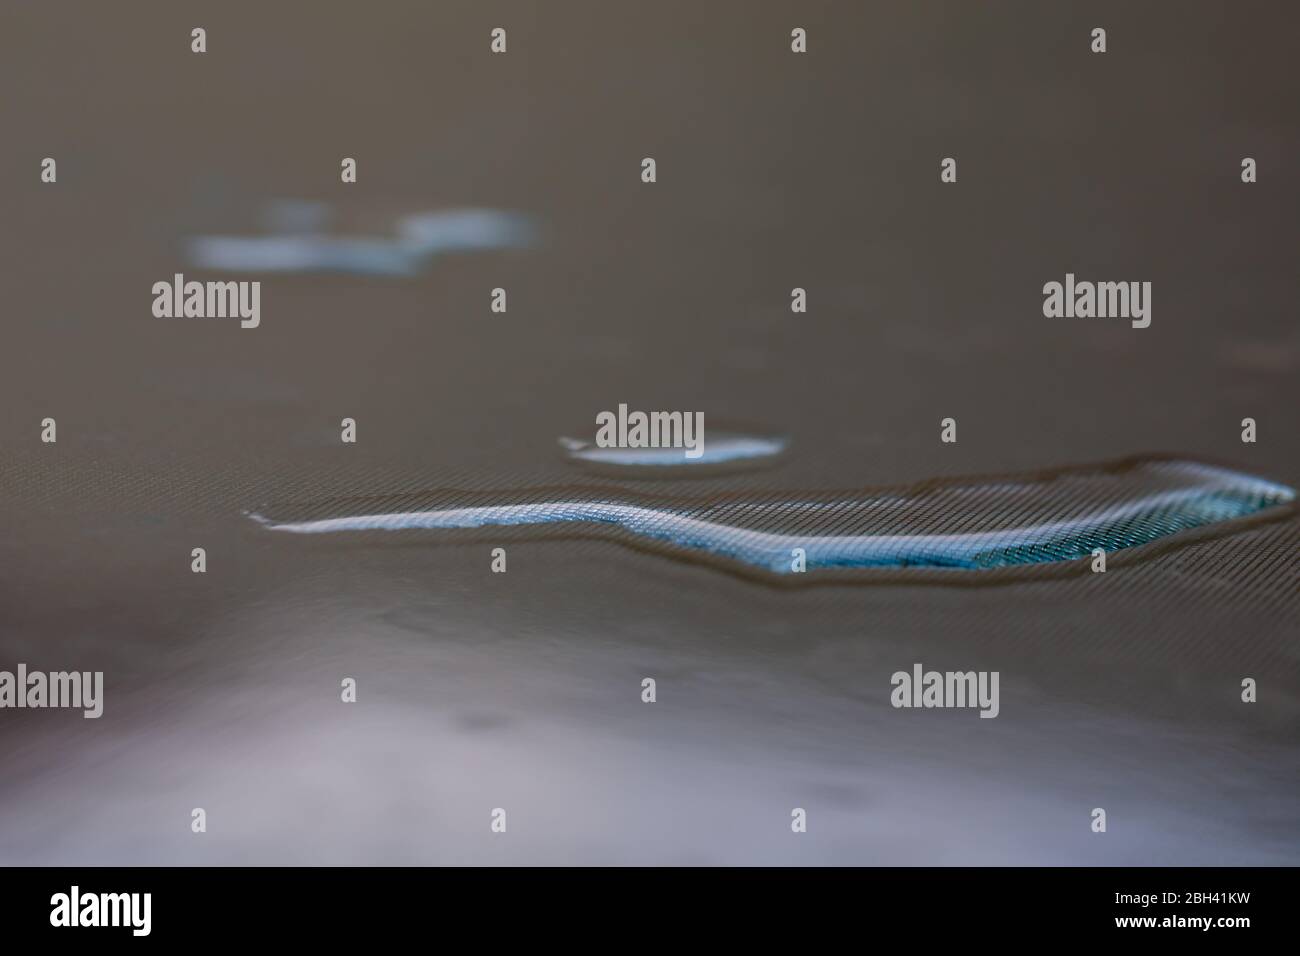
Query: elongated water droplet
956	523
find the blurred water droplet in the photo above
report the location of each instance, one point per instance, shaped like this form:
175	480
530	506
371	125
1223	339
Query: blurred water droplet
300	246
724	451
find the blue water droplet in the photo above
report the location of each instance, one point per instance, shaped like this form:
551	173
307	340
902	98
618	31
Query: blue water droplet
971	524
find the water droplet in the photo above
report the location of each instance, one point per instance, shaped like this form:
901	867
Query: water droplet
725	451
300	247
971	523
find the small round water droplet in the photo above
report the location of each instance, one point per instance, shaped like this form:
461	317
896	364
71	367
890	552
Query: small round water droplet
723	451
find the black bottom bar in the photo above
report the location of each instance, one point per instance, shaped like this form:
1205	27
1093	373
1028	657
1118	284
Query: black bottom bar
539	906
